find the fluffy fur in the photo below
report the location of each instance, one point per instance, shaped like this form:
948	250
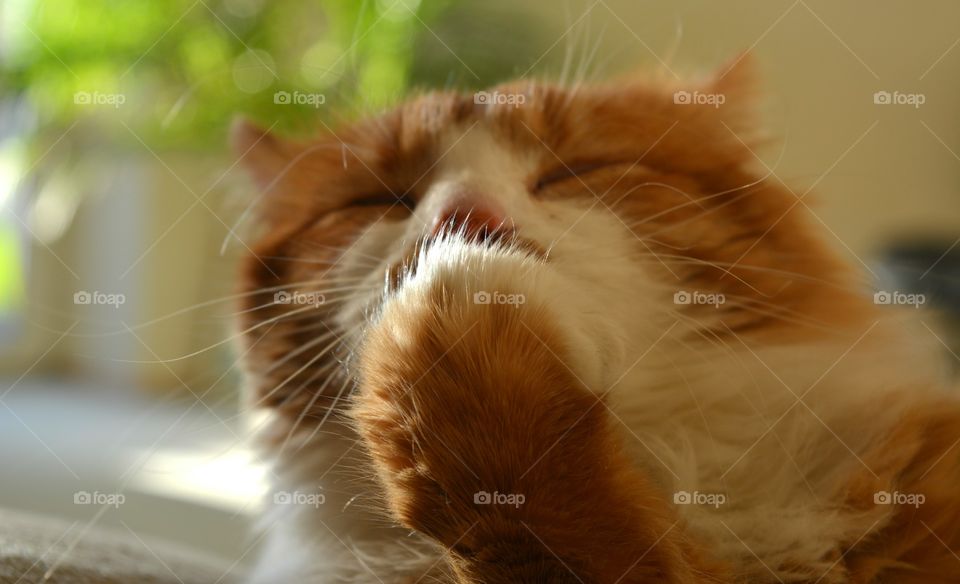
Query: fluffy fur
790	407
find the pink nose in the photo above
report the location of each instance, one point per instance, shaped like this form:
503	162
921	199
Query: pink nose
479	222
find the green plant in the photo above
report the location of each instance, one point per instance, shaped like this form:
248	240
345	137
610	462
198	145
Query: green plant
175	71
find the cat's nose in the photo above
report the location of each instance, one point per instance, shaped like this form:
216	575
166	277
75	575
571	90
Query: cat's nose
477	221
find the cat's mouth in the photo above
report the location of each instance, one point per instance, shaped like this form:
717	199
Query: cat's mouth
502	240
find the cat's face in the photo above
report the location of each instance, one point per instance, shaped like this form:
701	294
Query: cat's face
642	205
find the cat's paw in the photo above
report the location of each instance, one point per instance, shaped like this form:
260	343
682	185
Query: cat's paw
464	363
481	433
467	285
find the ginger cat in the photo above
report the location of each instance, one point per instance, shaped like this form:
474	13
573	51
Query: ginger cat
580	335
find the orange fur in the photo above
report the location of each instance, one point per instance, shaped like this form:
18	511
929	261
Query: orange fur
443	414
920	543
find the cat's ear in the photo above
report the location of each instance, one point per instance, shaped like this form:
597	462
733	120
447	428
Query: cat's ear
283	171
736	85
260	152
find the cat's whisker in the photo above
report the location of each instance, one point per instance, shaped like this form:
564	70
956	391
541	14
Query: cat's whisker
691	200
775	311
672	259
745	187
317	394
670	226
319	302
568	49
197	306
322	353
313	246
218	343
361	261
726	266
298	351
261	400
261	426
659	258
328	325
329	409
588	57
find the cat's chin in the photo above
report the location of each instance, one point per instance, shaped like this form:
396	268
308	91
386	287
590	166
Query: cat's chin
457	276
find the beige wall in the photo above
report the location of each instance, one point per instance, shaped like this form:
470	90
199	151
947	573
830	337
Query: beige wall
173	247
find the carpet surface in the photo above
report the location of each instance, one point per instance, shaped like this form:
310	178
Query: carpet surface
31	546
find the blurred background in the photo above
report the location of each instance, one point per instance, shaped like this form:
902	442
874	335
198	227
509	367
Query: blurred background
121	214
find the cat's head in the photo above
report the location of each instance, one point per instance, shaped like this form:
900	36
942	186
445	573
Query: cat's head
641	197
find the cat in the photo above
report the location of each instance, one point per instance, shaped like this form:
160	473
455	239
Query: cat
579	334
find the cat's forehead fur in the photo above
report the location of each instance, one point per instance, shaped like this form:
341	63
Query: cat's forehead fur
398	150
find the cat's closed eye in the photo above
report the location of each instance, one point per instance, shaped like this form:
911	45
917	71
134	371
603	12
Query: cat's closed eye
386	199
563	172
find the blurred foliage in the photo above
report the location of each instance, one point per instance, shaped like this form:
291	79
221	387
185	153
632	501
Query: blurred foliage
176	71
11	276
